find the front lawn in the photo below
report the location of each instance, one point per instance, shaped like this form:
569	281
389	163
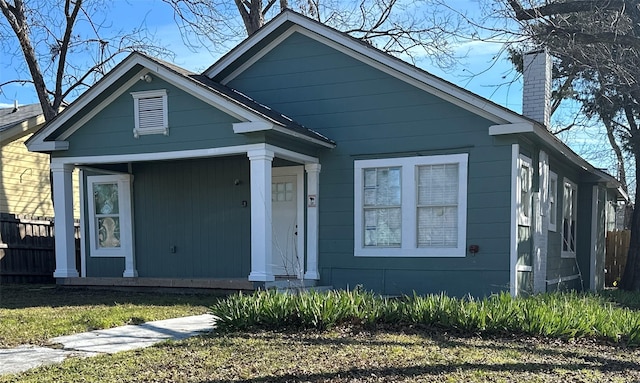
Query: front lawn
32	314
342	356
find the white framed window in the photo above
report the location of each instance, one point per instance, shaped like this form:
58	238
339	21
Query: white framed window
150	112
411	206
553	205
525	176
109	206
569	218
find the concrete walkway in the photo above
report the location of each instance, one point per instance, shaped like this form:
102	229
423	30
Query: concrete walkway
108	341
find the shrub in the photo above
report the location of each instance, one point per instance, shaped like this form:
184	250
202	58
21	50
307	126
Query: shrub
557	315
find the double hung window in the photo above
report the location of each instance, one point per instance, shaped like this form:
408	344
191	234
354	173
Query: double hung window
411	206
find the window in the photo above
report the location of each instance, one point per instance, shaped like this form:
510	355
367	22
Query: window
553	195
109	206
412	206
569	215
525	174
150	112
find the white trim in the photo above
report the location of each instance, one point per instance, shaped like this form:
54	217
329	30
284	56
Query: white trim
124	214
298	172
261	217
409	246
520	127
185	154
313	229
65	244
47	146
524	217
562	279
251	126
525	268
574	211
594	237
83	220
93	112
372	57
164	126
513	234
234	109
553	195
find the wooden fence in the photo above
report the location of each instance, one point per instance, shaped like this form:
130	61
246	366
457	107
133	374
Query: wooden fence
616	256
27	249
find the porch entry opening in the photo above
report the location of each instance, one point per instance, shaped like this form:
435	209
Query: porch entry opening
286	229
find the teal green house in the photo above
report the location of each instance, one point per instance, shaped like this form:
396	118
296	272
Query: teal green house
306	157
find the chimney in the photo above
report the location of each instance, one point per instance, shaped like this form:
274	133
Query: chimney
536	87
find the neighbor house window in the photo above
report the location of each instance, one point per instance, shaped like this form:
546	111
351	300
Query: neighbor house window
553	195
525	175
109	205
411	206
569	215
150	112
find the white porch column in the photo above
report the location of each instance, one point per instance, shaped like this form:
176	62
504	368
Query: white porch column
313	185
261	218
64	230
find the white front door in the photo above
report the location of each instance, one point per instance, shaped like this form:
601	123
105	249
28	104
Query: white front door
287	231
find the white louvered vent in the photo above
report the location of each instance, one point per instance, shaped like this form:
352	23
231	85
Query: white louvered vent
150	112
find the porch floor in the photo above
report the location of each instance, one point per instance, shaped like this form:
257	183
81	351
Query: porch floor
176	283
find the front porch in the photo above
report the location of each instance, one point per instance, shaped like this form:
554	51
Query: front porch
133	250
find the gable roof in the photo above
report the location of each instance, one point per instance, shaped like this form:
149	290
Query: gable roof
229	100
279	28
16	122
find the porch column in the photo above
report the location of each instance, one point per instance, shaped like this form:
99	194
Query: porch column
64	230
261	218
313	184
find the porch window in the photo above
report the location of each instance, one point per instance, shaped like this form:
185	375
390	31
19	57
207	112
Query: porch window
553	195
411	206
150	112
569	219
109	206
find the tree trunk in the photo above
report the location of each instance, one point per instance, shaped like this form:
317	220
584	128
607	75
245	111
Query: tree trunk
631	277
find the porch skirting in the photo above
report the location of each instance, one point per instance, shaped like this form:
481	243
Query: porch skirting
195	283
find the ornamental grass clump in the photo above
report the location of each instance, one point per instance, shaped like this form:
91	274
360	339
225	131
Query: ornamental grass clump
556	315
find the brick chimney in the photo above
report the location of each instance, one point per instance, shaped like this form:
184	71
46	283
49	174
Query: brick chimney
536	87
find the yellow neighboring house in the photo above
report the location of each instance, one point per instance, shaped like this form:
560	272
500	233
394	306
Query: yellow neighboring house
25	188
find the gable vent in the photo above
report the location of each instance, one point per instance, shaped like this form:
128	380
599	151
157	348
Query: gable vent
150	112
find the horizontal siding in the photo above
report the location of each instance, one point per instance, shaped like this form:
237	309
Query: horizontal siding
24	181
373	115
194	206
193	124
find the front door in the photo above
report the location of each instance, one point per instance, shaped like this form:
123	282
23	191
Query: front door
286	233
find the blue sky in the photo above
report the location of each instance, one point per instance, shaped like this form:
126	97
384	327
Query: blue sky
478	71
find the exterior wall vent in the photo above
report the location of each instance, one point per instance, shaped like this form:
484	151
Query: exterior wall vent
150	112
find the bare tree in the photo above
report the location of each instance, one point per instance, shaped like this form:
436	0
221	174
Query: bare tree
596	44
55	54
410	28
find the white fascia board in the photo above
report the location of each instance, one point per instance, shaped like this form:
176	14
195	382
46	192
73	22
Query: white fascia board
185	154
522	127
370	56
546	137
259	126
47	146
251	126
87	97
152	67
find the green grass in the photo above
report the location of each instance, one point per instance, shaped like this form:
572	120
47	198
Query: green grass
562	315
33	314
336	356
